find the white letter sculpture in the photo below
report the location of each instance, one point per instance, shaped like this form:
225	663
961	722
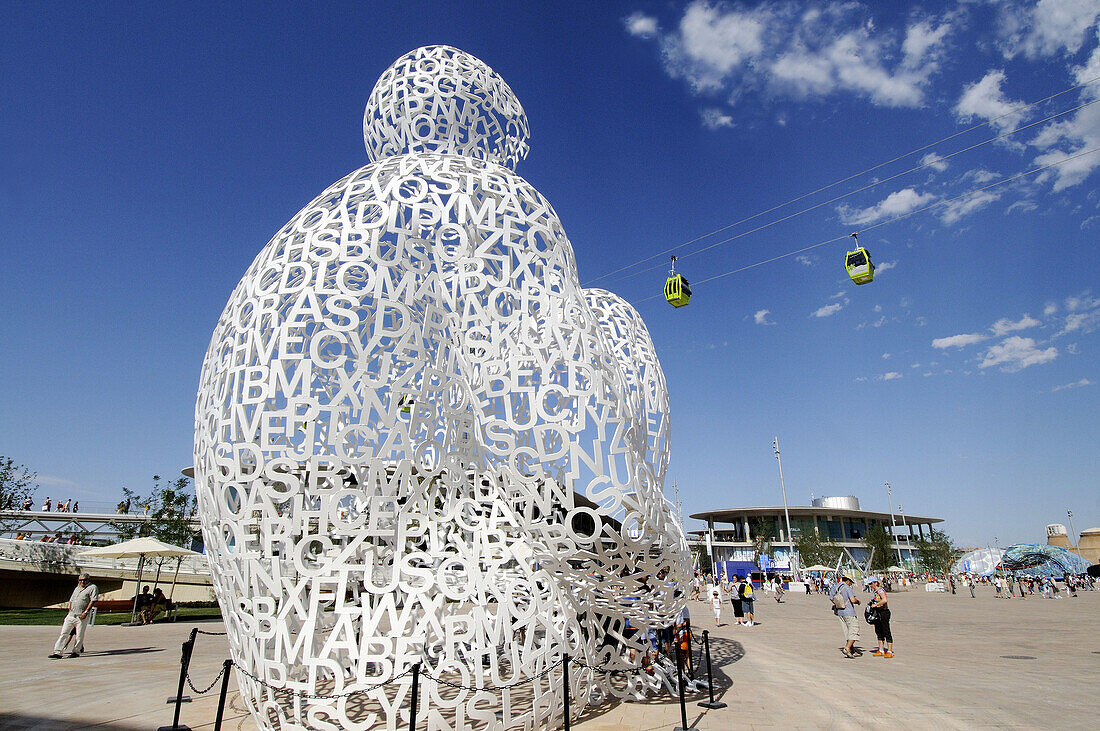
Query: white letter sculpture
419	440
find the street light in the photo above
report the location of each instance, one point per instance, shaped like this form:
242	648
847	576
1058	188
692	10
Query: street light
890	499
1073	533
786	513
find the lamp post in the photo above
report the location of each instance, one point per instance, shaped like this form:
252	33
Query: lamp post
890	499
786	513
908	532
1073	533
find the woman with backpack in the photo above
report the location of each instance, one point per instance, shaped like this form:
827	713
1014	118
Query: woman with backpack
735	599
745	591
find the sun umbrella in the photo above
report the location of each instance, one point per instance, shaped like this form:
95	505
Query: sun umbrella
897	570
139	548
817	567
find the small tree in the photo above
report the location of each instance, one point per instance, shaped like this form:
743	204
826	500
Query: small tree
878	542
169	506
937	553
703	557
813	549
17	483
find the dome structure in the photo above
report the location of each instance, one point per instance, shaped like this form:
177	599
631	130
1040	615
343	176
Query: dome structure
979	562
1040	560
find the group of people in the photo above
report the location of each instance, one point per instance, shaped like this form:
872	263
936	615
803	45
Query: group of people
1008	587
742	595
55	538
69	506
844	602
151	605
70	642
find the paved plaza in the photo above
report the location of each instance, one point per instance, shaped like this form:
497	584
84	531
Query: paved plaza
960	663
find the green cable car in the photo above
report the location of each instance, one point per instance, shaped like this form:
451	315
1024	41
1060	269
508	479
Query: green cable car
677	289
406	404
859	265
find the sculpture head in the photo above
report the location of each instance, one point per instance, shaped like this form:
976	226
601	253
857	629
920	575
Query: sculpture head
440	99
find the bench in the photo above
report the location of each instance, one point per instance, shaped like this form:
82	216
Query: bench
127	605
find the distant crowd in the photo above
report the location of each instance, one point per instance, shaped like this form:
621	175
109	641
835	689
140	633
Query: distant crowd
69	506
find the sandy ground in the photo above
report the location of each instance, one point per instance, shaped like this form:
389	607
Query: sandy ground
960	663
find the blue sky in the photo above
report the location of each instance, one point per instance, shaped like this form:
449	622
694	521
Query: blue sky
148	154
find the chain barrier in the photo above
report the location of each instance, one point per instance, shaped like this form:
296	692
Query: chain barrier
212	634
210	687
317	697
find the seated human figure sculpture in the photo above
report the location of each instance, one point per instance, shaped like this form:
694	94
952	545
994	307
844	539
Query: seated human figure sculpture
419	440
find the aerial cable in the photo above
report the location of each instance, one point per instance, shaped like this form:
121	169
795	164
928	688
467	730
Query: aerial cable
858	190
899	217
988	122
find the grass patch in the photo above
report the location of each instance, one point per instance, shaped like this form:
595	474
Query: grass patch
56	616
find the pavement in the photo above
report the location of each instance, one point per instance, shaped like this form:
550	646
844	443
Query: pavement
959	663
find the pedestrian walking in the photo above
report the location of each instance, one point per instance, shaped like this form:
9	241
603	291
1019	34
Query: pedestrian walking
970	583
716	605
735	599
747	594
880	618
76	621
47	505
779	591
844	601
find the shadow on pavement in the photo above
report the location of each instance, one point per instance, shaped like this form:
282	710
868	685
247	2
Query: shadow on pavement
124	651
39	723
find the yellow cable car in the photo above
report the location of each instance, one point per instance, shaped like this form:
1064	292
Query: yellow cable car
859	265
677	289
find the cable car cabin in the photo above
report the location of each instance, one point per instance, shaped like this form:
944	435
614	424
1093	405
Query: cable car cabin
677	290
859	265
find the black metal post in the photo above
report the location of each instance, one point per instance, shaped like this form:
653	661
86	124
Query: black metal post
712	704
226	667
565	685
185	662
680	681
415	692
690	655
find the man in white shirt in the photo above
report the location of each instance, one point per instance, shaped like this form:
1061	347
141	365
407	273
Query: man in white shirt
76	621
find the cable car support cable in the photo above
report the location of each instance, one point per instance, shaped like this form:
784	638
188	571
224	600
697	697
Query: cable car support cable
788	217
856	175
899	217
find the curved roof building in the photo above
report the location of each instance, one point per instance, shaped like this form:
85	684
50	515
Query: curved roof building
730	532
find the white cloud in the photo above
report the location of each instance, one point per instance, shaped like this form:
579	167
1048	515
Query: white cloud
1089	222
828	310
1016	353
877	308
761	317
1005	326
715	118
892	375
955	210
49	480
897	203
958	341
1083	314
1050	309
887	356
934	161
880	268
984	100
838	295
806	261
1073	135
1073	349
1046	28
641	25
1022	206
799	49
1076	384
979	176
